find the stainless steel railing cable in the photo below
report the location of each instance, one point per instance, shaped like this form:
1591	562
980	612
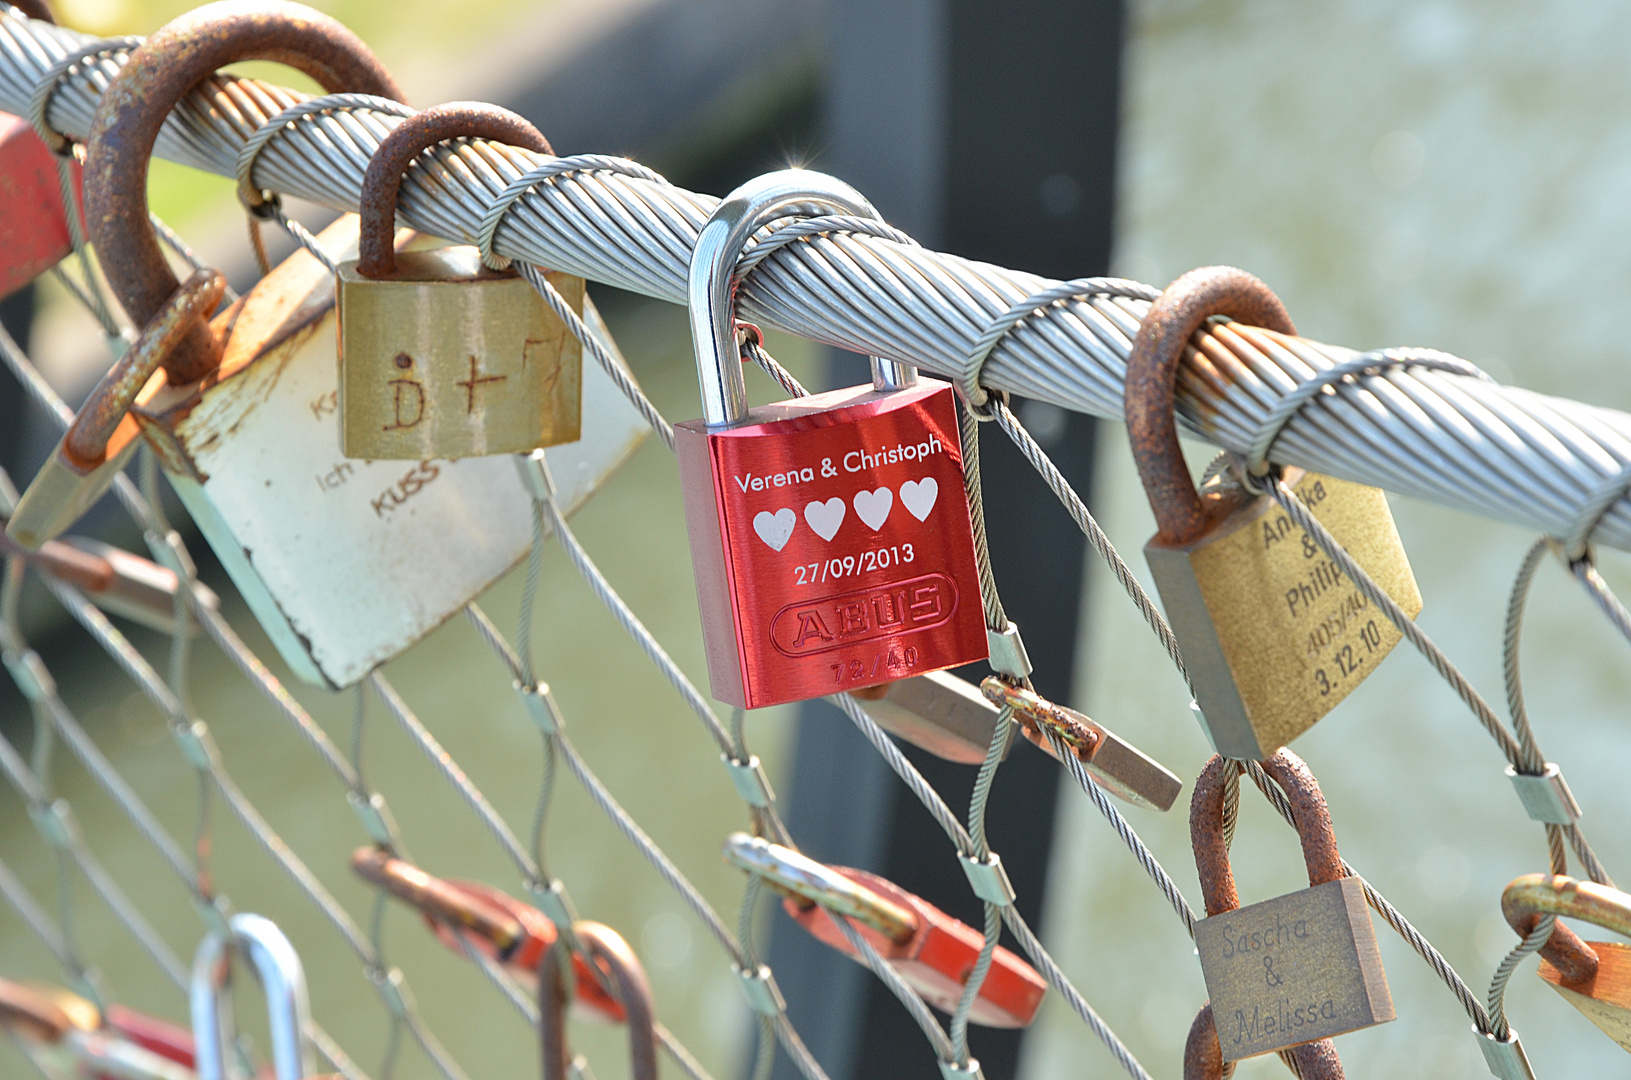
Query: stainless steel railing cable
1498	451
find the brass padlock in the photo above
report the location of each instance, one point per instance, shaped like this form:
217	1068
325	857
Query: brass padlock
439	355
1292	970
1114	763
1593	976
1271	631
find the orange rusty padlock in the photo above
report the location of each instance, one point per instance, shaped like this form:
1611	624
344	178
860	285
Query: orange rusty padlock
933	952
1287	972
1593	976
464	915
616	966
64	1033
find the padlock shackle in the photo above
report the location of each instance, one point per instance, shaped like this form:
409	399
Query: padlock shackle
382	182
29	1014
1152	380
1533	895
1308	811
793	874
440	900
619	970
160	73
277	966
189	307
711	286
1203	1054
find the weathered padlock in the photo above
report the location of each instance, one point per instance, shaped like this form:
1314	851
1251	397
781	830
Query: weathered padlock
830	535
1272	633
1117	765
616	966
1593	976
932	951
66	1035
283	981
439	355
34	234
345	563
1298	968
937	712
467	915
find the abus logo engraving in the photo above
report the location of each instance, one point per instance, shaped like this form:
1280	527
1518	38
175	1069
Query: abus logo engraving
884	611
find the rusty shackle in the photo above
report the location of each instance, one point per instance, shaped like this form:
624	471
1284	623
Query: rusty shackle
616	967
1152	379
1529	897
1203	1054
382	183
31	1015
161	72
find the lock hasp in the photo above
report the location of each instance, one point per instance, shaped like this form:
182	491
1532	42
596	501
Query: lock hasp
1292	970
1273	634
1605	998
445	358
345	563
831	542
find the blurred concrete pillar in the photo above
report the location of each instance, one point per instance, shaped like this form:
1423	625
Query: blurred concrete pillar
989	131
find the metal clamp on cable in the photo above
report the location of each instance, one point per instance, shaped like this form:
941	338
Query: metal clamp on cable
375	817
1505	1057
56	824
541	707
1008	655
750	780
28	671
1546	796
764	996
553	901
953	1071
535	474
190	738
988	879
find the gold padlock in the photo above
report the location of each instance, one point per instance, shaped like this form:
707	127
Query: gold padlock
441	357
1290	971
1593	976
1271	631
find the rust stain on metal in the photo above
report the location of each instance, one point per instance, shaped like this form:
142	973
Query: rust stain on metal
31	1015
376	257
1036	713
167	66
1152	374
438	899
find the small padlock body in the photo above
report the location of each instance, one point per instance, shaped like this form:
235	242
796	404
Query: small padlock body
1272	633
345	563
34	233
939	713
831	542
1292	970
447	359
1605	998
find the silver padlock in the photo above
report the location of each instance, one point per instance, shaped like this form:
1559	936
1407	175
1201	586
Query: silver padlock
277	967
345	563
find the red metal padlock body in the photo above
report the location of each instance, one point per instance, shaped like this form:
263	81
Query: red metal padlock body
33	226
831	541
590	1001
937	959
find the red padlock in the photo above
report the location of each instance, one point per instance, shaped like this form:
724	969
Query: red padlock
465	914
34	234
933	952
830	535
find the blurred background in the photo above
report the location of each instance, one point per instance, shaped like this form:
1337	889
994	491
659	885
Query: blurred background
1434	173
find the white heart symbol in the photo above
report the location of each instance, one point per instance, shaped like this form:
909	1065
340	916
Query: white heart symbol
825	517
775	529
918	496
872	507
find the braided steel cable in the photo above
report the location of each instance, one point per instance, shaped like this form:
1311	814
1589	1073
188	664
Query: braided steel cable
1502	452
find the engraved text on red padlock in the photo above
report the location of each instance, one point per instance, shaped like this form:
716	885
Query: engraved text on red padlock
832	543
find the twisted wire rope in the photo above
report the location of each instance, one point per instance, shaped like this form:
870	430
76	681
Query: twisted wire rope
1502	452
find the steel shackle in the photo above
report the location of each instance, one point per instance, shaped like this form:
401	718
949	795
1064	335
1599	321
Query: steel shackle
382	182
618	970
161	72
711	288
1203	1053
277	966
1533	895
1152	380
794	874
